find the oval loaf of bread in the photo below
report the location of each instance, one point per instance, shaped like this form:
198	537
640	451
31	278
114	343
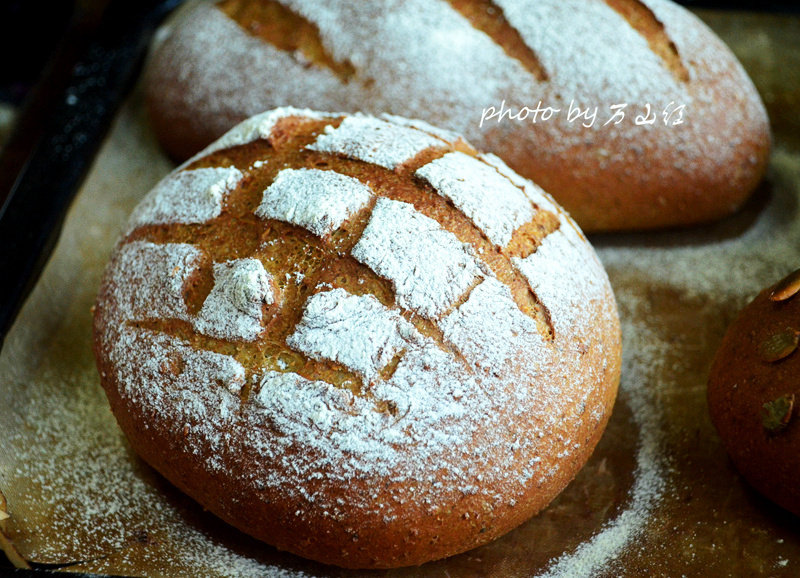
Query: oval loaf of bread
357	338
700	150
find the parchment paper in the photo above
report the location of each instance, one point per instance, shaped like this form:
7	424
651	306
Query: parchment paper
658	497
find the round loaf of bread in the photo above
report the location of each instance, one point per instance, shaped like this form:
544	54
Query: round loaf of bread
357	339
631	113
752	391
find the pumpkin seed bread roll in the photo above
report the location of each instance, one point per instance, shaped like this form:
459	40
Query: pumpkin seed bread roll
631	113
357	338
753	392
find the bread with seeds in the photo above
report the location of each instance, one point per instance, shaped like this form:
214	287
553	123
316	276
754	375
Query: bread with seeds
357	338
699	149
753	392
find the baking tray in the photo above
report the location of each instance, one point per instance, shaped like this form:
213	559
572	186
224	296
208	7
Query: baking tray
658	497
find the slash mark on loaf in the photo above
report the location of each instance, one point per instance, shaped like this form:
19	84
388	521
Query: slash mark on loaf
286	30
487	17
642	19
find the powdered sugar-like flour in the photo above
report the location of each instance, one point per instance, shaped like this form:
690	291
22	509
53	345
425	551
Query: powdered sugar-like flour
233	308
428	266
374	141
169	203
319	201
465	180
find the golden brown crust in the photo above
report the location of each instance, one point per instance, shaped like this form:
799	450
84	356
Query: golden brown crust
751	396
213	337
240	59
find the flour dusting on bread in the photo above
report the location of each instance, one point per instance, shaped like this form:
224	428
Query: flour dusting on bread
359	359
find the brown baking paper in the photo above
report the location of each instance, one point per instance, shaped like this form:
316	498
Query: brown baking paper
658	497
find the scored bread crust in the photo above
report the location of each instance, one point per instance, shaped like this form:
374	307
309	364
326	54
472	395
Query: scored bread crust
447	62
357	339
